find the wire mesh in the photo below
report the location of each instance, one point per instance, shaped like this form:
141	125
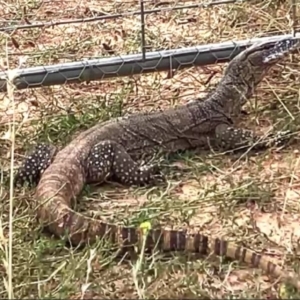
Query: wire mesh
98	69
146	36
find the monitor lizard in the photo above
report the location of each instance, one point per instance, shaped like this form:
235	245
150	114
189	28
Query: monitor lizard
113	149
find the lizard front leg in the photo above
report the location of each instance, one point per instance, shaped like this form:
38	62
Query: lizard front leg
35	164
110	159
230	138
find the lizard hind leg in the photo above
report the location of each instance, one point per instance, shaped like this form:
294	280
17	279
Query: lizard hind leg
110	159
35	164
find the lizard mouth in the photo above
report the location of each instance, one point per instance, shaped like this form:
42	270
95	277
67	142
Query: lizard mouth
280	49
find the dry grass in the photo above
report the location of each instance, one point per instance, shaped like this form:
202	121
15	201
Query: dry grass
251	199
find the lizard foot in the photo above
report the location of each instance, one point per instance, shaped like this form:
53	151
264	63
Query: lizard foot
155	174
278	139
35	164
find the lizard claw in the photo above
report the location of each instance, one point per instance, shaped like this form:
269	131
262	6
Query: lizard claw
279	138
156	176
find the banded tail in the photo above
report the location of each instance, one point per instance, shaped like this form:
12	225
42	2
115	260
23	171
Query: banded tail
129	239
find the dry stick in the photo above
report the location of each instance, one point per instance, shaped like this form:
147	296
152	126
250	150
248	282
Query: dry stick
294	17
10	92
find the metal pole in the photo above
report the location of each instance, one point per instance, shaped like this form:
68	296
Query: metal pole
143	29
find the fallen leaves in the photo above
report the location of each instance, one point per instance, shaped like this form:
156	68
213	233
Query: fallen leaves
284	230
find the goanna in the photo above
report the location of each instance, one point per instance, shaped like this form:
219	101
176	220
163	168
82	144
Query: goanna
113	149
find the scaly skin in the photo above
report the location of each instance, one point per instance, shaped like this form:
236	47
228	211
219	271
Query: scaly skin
113	148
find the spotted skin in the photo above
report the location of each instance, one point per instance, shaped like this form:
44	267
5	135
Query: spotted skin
110	159
106	159
231	137
35	164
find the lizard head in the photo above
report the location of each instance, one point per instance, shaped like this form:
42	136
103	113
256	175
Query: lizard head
256	60
269	53
246	70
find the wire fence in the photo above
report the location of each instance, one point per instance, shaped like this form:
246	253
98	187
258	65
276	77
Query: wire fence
124	65
48	43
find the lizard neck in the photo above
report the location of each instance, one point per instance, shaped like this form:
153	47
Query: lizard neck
230	95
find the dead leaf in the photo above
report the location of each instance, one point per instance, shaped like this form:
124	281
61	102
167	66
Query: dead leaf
283	231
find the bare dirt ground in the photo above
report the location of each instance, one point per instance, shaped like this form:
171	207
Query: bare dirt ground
252	199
